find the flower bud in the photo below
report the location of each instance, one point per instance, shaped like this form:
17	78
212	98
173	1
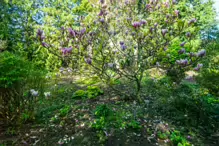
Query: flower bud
176	12
201	53
45	45
199	66
164	31
182	51
182	62
83	31
71	32
39	32
148	6
182	44
102	20
89	61
193	20
188	34
143	22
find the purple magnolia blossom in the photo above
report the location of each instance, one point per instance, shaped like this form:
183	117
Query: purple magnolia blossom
188	34
69	50
66	50
136	24
83	31
102	1
173	1
89	61
164	31
126	2
148	6
45	45
168	16
143	22
101	13
61	70
182	51
193	20
123	47
191	54
165	48
71	32
151	29
182	44
201	53
182	62
198	67
121	43
42	37
102	20
189	137
176	12
167	4
39	32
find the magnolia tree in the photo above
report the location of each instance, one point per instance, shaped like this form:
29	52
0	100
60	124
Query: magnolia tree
118	41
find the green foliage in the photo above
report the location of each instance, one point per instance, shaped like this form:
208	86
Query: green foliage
80	94
188	104
134	124
162	135
17	77
91	93
209	79
178	140
64	111
103	111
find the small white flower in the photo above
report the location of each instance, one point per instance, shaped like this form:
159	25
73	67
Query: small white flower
47	94
33	92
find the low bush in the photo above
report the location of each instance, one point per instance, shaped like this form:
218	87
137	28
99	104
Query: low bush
187	104
91	93
17	77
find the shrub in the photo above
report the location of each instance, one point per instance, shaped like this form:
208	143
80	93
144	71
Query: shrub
80	94
209	78
103	111
178	139
187	104
91	93
17	77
